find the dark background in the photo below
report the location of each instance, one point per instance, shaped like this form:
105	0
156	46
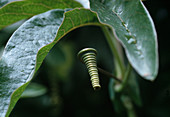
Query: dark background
72	95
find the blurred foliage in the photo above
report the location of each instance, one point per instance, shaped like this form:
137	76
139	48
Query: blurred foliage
69	93
34	90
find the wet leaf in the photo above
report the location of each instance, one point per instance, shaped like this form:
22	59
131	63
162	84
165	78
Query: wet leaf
134	28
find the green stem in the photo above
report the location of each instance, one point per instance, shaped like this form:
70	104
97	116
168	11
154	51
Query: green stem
114	46
120	69
108	74
121	86
118	60
129	106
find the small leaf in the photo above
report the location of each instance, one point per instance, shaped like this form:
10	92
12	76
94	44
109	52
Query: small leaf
19	10
134	28
34	90
29	45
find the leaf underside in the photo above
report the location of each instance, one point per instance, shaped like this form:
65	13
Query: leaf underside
134	28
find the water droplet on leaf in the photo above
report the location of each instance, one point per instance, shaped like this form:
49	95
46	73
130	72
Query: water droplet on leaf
130	39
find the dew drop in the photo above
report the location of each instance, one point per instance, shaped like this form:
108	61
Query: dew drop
137	52
140	54
132	41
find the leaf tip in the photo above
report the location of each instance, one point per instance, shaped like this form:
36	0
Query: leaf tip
150	77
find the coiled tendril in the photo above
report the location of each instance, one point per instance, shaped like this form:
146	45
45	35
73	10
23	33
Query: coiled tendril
88	57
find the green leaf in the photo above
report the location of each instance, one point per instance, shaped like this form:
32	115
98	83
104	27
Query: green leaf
19	10
34	90
29	45
4	2
134	28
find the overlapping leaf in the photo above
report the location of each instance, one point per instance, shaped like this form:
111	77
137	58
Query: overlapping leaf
28	47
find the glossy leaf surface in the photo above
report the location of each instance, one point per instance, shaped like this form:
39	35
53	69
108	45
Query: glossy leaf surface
134	28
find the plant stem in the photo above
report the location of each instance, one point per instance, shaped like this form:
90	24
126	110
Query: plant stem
121	86
120	70
108	74
114	45
129	106
118	60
